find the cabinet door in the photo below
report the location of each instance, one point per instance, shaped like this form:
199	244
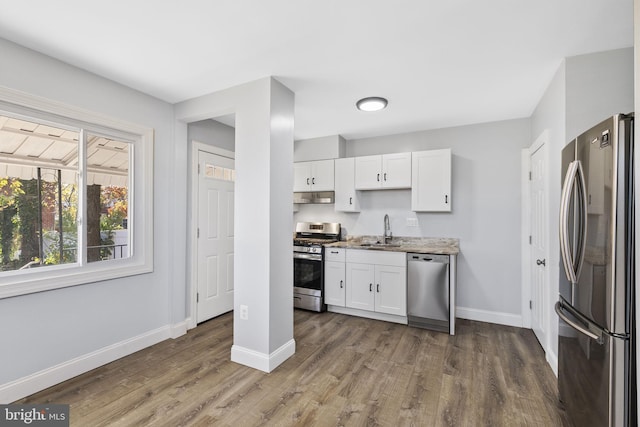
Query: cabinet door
391	290
431	181
322	175
396	170
346	198
334	286
360	286
302	176
368	172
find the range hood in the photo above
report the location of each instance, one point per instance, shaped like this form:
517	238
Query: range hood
314	197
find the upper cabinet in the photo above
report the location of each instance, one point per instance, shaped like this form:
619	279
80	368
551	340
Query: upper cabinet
383	171
346	196
431	181
313	176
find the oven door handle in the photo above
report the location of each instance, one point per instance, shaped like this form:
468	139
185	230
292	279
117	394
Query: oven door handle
312	257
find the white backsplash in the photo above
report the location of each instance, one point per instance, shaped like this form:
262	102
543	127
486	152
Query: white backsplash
369	221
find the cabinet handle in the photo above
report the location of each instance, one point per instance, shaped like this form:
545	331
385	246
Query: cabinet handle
341	284
313	181
446	199
385	176
370	287
378	288
378	178
307	181
335	252
350	200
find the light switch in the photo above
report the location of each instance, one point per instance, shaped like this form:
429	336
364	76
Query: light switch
412	222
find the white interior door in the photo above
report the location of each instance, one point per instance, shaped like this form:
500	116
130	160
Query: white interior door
216	177
539	245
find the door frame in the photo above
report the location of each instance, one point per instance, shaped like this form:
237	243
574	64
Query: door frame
192	243
525	233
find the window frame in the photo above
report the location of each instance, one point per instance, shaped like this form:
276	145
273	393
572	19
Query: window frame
140	210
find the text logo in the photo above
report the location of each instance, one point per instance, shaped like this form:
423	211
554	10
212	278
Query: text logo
53	415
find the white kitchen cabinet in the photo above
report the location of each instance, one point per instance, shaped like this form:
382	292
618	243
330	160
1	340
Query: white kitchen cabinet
360	284
431	181
334	277
376	281
313	176
346	196
396	170
391	290
384	171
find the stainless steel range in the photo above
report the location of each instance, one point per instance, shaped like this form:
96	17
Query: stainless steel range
308	263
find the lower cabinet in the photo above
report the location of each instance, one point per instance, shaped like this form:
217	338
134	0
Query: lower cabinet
376	281
334	277
361	278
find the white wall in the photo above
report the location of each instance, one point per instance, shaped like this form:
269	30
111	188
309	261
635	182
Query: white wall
485	216
599	85
212	133
326	147
40	331
585	90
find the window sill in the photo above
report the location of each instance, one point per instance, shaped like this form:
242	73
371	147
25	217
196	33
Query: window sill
69	275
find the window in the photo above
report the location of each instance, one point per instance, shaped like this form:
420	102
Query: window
67	187
219	172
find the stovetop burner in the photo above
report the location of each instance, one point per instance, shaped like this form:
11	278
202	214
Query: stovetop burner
311	241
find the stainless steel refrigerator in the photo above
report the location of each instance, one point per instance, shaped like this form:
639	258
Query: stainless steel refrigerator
596	349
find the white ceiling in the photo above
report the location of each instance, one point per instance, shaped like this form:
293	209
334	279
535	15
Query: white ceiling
440	63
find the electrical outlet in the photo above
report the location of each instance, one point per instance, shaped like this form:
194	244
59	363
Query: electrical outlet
244	312
412	222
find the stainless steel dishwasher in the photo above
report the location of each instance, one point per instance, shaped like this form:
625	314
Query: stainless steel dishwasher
428	291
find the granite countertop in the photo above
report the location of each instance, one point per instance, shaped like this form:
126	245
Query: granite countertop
424	245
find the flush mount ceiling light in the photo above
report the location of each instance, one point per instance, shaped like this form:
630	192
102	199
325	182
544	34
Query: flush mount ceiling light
372	103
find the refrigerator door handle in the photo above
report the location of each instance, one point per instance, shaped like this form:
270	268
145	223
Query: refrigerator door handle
582	240
573	179
586	327
565	199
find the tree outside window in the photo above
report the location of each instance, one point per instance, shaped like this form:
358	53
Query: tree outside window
40	218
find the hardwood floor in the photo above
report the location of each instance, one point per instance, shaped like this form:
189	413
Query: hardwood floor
346	371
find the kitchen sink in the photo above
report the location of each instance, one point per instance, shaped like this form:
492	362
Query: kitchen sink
380	245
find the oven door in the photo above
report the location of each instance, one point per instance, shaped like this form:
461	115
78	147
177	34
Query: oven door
307	274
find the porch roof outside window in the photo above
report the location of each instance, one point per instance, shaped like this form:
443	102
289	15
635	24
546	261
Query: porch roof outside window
25	146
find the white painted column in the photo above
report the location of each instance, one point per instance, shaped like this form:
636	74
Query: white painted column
264	224
263	219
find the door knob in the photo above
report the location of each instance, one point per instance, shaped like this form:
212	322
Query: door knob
541	262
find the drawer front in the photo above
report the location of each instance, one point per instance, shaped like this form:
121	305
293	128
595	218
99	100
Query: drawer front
378	257
334	254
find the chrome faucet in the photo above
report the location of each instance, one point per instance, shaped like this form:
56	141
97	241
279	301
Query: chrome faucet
387	230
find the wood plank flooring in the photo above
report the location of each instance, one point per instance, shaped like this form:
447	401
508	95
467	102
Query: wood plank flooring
346	371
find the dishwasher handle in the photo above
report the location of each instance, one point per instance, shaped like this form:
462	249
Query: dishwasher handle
415	257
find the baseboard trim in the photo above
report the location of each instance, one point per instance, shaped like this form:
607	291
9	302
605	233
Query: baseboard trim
25	386
179	329
552	360
262	361
499	318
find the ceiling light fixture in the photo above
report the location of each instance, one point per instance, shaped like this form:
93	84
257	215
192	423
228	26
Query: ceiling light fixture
372	103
